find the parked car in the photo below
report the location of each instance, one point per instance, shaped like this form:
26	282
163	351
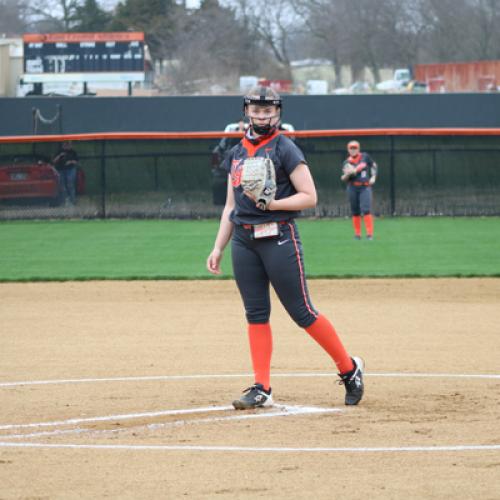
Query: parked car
29	178
398	83
358	87
417	87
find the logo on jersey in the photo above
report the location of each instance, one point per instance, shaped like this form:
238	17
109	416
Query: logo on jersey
236	169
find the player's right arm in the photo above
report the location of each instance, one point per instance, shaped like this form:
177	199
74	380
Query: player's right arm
224	233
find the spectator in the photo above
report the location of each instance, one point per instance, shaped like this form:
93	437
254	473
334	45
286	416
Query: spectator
66	163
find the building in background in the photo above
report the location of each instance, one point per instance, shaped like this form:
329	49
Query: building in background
471	76
11	65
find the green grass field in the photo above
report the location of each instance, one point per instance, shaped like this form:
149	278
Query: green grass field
174	249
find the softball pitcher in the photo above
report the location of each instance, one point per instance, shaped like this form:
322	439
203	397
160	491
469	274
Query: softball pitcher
269	183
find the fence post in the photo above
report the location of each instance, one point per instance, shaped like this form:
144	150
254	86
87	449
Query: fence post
59	113
33	120
156	173
434	171
103	179
392	183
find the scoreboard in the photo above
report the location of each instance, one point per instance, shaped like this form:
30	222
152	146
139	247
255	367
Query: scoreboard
83	57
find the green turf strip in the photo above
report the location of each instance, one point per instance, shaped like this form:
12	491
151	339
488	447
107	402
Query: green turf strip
172	249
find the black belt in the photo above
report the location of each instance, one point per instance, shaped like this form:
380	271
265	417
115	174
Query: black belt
250	226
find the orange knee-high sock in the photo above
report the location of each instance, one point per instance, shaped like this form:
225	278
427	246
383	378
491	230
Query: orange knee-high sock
356	222
368	220
323	332
261	349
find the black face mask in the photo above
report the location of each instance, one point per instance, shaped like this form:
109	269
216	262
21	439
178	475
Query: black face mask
266	129
263	129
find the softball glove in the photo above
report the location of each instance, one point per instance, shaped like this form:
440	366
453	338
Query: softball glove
258	180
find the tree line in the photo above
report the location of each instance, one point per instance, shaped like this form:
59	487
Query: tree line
223	39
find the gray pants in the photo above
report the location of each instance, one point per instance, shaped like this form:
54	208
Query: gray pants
277	261
360	198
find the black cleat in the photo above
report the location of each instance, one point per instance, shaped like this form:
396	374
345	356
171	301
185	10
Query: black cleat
353	382
254	397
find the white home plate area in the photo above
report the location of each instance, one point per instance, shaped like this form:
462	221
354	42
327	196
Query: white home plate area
221	413
28	435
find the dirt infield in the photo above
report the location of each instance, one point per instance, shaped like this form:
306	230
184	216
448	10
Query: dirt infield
122	390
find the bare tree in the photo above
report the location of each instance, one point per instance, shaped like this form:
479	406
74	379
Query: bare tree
486	36
411	32
156	18
12	21
451	29
51	15
274	23
213	49
323	23
227	38
363	33
373	26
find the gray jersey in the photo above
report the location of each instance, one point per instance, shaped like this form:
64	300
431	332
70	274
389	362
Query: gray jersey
285	155
367	168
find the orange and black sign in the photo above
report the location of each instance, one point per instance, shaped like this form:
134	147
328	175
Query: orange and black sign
59	53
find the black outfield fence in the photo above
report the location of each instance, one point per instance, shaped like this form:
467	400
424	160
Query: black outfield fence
80	115
175	175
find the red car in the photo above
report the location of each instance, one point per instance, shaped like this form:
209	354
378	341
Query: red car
29	177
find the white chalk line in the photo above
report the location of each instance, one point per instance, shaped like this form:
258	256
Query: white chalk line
494	447
138	447
57	432
277	411
491	376
76	421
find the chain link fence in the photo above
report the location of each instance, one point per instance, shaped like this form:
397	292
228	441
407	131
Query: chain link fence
181	178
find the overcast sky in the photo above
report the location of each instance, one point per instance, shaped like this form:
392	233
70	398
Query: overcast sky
190	4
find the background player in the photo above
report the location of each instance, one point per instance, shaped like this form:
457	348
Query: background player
360	173
276	258
226	143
